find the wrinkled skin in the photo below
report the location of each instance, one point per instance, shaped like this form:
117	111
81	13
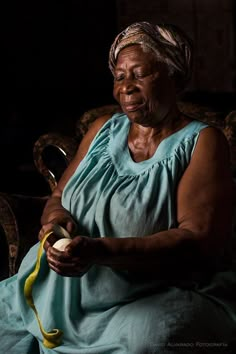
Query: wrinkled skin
204	197
142	86
146	94
76	260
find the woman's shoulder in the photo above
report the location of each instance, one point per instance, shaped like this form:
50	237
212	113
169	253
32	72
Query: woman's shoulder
213	139
99	127
102	120
213	152
94	128
206	134
98	123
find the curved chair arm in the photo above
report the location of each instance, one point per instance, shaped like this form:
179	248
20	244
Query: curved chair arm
203	113
19	227
230	133
52	153
9	239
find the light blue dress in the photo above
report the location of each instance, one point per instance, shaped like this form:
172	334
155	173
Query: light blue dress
114	312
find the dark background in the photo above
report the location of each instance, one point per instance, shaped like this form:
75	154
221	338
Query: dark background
55	66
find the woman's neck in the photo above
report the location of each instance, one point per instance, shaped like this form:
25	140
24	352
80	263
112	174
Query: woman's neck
144	140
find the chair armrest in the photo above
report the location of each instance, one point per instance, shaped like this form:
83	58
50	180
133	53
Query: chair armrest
52	153
230	133
203	113
19	227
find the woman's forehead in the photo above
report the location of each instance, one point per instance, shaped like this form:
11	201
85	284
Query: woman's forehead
137	52
138	55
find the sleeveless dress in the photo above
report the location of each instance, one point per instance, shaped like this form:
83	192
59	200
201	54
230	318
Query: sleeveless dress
113	312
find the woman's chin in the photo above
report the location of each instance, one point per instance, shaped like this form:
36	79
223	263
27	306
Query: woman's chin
136	116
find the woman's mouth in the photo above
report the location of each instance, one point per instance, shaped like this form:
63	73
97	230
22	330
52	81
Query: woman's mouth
132	107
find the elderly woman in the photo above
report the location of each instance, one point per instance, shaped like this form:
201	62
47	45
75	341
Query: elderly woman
148	201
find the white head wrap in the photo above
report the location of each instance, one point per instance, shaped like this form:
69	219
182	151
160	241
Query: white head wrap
168	42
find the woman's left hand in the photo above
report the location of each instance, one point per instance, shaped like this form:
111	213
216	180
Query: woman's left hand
78	257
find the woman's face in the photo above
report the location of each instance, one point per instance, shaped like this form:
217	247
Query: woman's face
142	86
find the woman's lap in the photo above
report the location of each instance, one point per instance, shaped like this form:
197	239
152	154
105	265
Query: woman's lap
178	321
172	321
14	338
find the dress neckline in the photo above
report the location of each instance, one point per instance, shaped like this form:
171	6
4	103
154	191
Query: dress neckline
119	150
159	148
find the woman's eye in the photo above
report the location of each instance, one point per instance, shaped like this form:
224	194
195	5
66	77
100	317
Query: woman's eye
139	76
142	74
118	77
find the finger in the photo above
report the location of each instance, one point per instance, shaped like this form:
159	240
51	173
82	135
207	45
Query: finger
41	234
70	269
65	264
50	241
45	228
75	246
70	226
59	271
61	256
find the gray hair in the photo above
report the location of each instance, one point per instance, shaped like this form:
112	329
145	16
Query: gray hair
168	42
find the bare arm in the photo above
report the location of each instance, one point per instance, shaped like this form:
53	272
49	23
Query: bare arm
54	211
205	199
204	213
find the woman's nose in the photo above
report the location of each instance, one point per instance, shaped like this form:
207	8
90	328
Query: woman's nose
127	85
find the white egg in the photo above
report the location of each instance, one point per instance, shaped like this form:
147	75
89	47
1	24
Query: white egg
62	243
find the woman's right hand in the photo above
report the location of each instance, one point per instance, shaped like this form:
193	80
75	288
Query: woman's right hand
63	219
